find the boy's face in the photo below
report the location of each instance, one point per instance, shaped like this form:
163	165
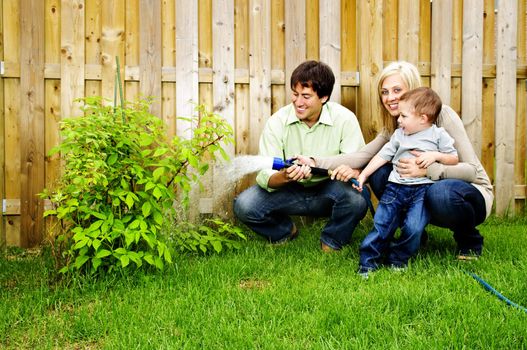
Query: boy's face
307	104
409	121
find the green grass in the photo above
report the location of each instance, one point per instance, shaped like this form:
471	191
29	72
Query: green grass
287	297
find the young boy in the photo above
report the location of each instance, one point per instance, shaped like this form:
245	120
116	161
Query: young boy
402	203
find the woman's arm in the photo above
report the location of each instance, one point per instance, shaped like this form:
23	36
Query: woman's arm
355	160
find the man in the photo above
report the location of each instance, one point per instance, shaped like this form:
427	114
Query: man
309	125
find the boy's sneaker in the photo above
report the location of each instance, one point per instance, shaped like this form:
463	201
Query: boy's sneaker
364	271
468	255
398	267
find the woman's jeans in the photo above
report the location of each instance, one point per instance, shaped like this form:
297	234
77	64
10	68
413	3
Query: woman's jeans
400	206
268	213
452	203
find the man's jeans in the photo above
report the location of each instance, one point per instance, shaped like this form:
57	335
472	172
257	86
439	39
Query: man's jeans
400	206
268	213
452	203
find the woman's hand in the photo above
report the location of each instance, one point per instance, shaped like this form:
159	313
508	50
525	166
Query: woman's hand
344	173
305	160
407	167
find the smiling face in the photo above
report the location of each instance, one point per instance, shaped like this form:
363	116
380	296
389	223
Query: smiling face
392	88
308	105
409	120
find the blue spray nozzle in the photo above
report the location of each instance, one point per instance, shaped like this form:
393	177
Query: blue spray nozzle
279	163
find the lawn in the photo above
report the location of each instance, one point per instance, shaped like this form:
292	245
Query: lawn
267	297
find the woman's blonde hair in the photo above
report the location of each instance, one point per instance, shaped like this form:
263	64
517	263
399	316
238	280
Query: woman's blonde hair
410	76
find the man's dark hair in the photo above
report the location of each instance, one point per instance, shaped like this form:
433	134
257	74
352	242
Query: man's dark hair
316	75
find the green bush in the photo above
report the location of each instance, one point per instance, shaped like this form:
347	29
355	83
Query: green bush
120	181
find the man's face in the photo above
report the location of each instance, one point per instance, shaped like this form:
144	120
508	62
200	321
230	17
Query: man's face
307	104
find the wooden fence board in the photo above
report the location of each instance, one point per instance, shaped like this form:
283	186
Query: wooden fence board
295	36
223	85
425	33
521	109
370	64
132	49
32	119
330	43
260	69
2	130
150	53
279	93
408	31
112	44
187	63
72	57
471	94
441	56
389	23
313	21
506	50
168	57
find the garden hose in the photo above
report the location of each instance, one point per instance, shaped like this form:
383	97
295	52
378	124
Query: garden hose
500	296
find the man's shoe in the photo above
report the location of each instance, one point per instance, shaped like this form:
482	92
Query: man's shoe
326	248
294	234
424	239
468	255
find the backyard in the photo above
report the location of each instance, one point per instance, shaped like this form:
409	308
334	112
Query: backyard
276	297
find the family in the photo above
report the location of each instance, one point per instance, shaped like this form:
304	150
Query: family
421	167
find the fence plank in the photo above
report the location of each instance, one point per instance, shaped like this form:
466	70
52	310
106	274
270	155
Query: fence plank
2	130
441	48
471	94
260	69
132	49
93	44
112	44
150	53
521	107
186	63
168	59
330	43
408	31
370	64
223	85
425	16
295	36
389	23
31	119
505	105
278	91
72	57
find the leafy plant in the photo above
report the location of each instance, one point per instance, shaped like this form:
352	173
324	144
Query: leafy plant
120	180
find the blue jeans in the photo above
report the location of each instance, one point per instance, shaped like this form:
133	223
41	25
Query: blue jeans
452	203
400	206
268	213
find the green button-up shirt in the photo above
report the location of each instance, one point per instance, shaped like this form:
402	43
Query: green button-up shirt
285	136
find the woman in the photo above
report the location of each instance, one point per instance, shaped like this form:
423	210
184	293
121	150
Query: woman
461	200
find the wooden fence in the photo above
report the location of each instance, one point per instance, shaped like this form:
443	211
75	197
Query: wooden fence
236	56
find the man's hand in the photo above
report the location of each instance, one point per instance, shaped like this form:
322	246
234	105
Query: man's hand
298	172
344	173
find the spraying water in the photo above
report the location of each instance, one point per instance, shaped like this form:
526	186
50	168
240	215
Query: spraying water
244	165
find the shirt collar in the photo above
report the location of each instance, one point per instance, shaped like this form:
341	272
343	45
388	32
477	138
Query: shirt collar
325	117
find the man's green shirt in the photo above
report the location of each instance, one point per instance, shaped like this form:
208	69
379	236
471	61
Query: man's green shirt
285	136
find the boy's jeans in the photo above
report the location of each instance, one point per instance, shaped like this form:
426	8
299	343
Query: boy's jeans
400	206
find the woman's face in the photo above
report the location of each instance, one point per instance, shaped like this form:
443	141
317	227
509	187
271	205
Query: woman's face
391	89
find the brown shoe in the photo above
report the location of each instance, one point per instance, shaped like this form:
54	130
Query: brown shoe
326	248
